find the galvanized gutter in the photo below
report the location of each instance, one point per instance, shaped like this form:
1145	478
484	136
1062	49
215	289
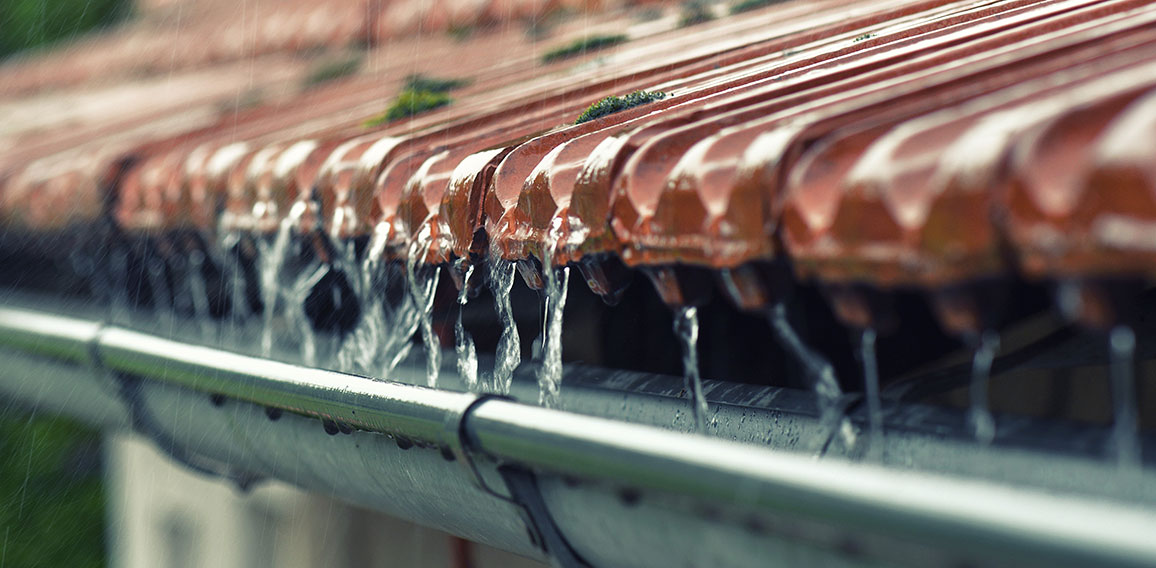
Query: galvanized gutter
762	500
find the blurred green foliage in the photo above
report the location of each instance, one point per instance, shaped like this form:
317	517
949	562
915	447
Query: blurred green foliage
27	24
51	493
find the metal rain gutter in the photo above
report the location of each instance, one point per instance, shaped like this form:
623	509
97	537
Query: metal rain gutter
791	497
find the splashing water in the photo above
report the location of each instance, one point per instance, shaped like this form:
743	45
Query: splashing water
982	421
509	352
1122	353
550	374
821	374
686	328
464	344
871	386
422	286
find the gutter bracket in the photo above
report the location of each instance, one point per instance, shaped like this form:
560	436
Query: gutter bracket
521	483
455	438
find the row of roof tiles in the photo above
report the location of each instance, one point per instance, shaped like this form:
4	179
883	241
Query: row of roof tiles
890	144
199	33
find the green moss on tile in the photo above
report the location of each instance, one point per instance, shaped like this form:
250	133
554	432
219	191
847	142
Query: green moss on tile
461	32
613	104
864	37
695	12
419	82
747	5
332	69
582	46
419	94
410	103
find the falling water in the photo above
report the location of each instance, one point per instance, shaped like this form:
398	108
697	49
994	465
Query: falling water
229	248
199	294
397	344
550	374
422	286
114	282
162	297
273	257
686	328
509	352
819	371
382	336
464	344
295	314
871	385
359	349
240	301
982	421
1122	353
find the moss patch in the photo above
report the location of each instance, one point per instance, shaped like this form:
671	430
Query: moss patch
864	37
420	94
332	69
581	46
613	104
693	13
433	84
748	5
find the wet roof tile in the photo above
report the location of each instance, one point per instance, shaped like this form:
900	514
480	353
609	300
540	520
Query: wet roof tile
887	144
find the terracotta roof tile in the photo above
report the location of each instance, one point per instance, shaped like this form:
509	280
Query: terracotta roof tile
879	144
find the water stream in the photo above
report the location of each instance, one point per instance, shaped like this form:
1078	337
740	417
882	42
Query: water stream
199	294
467	356
982	421
423	282
273	257
821	374
509	352
686	329
871	387
1121	368
161	295
295	315
550	373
